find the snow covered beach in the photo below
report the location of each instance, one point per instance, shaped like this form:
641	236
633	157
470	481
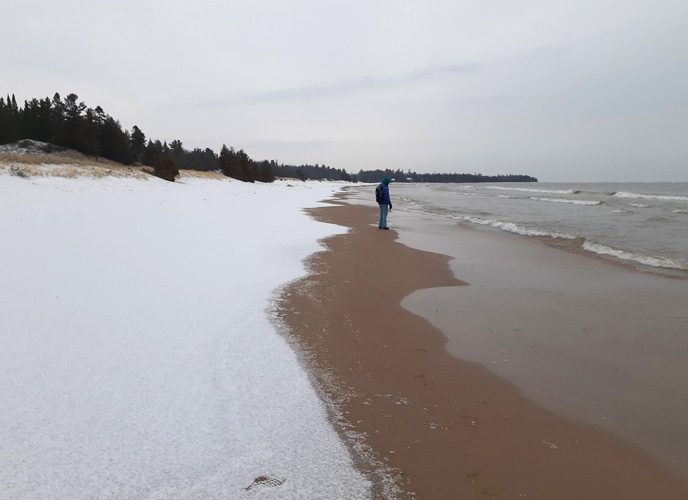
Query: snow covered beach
141	356
138	357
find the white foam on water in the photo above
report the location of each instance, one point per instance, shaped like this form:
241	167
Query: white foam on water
515	228
528	190
652	261
638	205
573	202
651	196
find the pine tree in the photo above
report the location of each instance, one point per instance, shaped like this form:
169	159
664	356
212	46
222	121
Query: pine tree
4	122
138	144
90	133
247	171
226	162
73	110
152	152
177	148
265	172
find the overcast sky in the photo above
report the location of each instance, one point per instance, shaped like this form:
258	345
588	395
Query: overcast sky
579	90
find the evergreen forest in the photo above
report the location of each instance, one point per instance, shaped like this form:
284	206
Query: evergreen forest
70	123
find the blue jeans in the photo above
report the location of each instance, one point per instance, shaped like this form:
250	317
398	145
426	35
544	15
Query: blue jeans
383	216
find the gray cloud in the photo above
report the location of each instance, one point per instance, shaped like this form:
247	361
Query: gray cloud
574	90
330	90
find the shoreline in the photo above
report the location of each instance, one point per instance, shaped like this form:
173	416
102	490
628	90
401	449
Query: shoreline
588	337
445	426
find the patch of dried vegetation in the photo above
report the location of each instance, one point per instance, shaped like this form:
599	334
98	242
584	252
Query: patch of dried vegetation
66	163
61	166
27	158
33	158
50	166
202	175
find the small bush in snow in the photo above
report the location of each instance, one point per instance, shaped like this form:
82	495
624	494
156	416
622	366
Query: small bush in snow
18	172
165	168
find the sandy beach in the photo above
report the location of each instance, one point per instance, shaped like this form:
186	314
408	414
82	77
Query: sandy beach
461	394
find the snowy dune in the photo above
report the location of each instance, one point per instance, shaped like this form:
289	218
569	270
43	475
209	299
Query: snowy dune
138	357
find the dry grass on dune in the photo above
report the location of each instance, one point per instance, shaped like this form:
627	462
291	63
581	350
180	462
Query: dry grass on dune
29	158
202	175
72	167
66	156
65	166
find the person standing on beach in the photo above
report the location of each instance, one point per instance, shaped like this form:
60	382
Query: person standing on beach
384	204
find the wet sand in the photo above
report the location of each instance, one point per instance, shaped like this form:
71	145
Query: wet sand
445	427
594	342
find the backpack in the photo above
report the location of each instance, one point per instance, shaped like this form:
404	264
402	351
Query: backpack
379	195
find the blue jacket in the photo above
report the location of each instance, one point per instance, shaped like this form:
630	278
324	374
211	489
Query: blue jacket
385	193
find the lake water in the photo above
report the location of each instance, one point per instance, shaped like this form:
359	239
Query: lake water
593	342
642	223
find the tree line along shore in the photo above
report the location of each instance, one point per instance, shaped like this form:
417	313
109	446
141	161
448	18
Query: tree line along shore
70	123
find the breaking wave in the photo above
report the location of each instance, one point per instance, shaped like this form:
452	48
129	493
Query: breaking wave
646	260
590	246
515	228
573	202
528	190
651	196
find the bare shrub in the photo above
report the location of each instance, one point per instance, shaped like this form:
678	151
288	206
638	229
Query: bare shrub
18	172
